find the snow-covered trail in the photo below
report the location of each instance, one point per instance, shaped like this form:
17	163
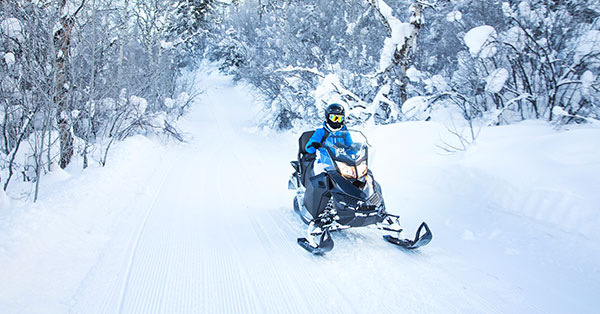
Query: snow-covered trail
208	226
217	239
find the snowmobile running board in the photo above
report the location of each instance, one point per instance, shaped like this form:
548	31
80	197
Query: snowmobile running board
419	241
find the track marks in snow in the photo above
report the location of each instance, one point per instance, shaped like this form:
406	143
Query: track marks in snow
163	271
217	240
136	244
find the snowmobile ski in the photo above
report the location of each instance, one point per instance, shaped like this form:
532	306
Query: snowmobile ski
419	241
325	244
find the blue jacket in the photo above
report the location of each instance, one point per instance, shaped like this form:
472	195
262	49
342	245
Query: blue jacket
334	137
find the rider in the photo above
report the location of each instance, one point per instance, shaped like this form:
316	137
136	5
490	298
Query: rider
333	131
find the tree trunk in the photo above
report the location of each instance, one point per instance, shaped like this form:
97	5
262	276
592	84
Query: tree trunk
62	42
401	55
417	21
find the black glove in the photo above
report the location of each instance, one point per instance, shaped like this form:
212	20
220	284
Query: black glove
316	145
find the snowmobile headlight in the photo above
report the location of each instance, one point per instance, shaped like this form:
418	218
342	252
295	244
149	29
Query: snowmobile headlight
362	169
346	170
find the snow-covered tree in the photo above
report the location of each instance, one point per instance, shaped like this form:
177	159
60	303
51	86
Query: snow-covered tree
510	61
77	75
289	50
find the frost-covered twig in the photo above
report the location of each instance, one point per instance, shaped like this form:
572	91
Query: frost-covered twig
464	142
384	19
352	25
301	69
425	4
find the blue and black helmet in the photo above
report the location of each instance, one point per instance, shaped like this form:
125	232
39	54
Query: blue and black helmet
335	115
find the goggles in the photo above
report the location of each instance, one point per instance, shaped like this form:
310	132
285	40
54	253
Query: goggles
338	118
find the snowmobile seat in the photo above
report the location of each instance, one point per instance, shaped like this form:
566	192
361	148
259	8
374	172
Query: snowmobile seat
306	159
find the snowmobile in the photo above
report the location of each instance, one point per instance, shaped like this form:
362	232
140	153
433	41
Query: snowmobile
345	195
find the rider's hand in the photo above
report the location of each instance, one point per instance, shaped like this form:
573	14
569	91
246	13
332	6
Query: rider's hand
316	145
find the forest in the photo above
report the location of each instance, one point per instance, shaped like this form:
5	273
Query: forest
78	75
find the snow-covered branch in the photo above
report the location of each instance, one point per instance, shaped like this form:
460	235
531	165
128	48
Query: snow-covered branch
301	69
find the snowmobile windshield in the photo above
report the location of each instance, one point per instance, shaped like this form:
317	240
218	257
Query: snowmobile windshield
348	146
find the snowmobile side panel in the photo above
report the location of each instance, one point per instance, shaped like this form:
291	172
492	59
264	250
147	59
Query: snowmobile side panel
301	210
315	197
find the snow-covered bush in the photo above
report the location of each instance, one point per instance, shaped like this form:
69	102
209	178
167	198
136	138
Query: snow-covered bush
496	61
295	53
77	75
512	61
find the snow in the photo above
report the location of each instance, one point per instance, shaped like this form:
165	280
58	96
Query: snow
414	75
352	25
70	7
4	201
416	107
9	58
293	69
507	10
169	102
587	80
139	103
12	28
454	16
558	111
183	98
588	43
331	90
525	9
207	226
496	80
436	82
516	37
563	196
400	31
381	97
166	45
479	40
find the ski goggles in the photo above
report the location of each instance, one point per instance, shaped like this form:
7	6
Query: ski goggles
336	118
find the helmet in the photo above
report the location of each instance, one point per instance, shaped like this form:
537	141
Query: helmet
335	116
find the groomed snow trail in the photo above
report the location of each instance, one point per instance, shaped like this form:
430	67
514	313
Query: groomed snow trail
218	236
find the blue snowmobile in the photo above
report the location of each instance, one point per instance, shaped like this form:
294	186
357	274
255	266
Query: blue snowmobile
343	194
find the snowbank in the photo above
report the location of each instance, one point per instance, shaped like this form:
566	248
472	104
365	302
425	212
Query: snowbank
416	107
48	248
536	172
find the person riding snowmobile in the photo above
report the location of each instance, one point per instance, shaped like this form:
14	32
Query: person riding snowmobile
333	132
335	189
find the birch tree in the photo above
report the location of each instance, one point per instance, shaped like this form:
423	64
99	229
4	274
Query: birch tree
70	88
397	50
62	41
